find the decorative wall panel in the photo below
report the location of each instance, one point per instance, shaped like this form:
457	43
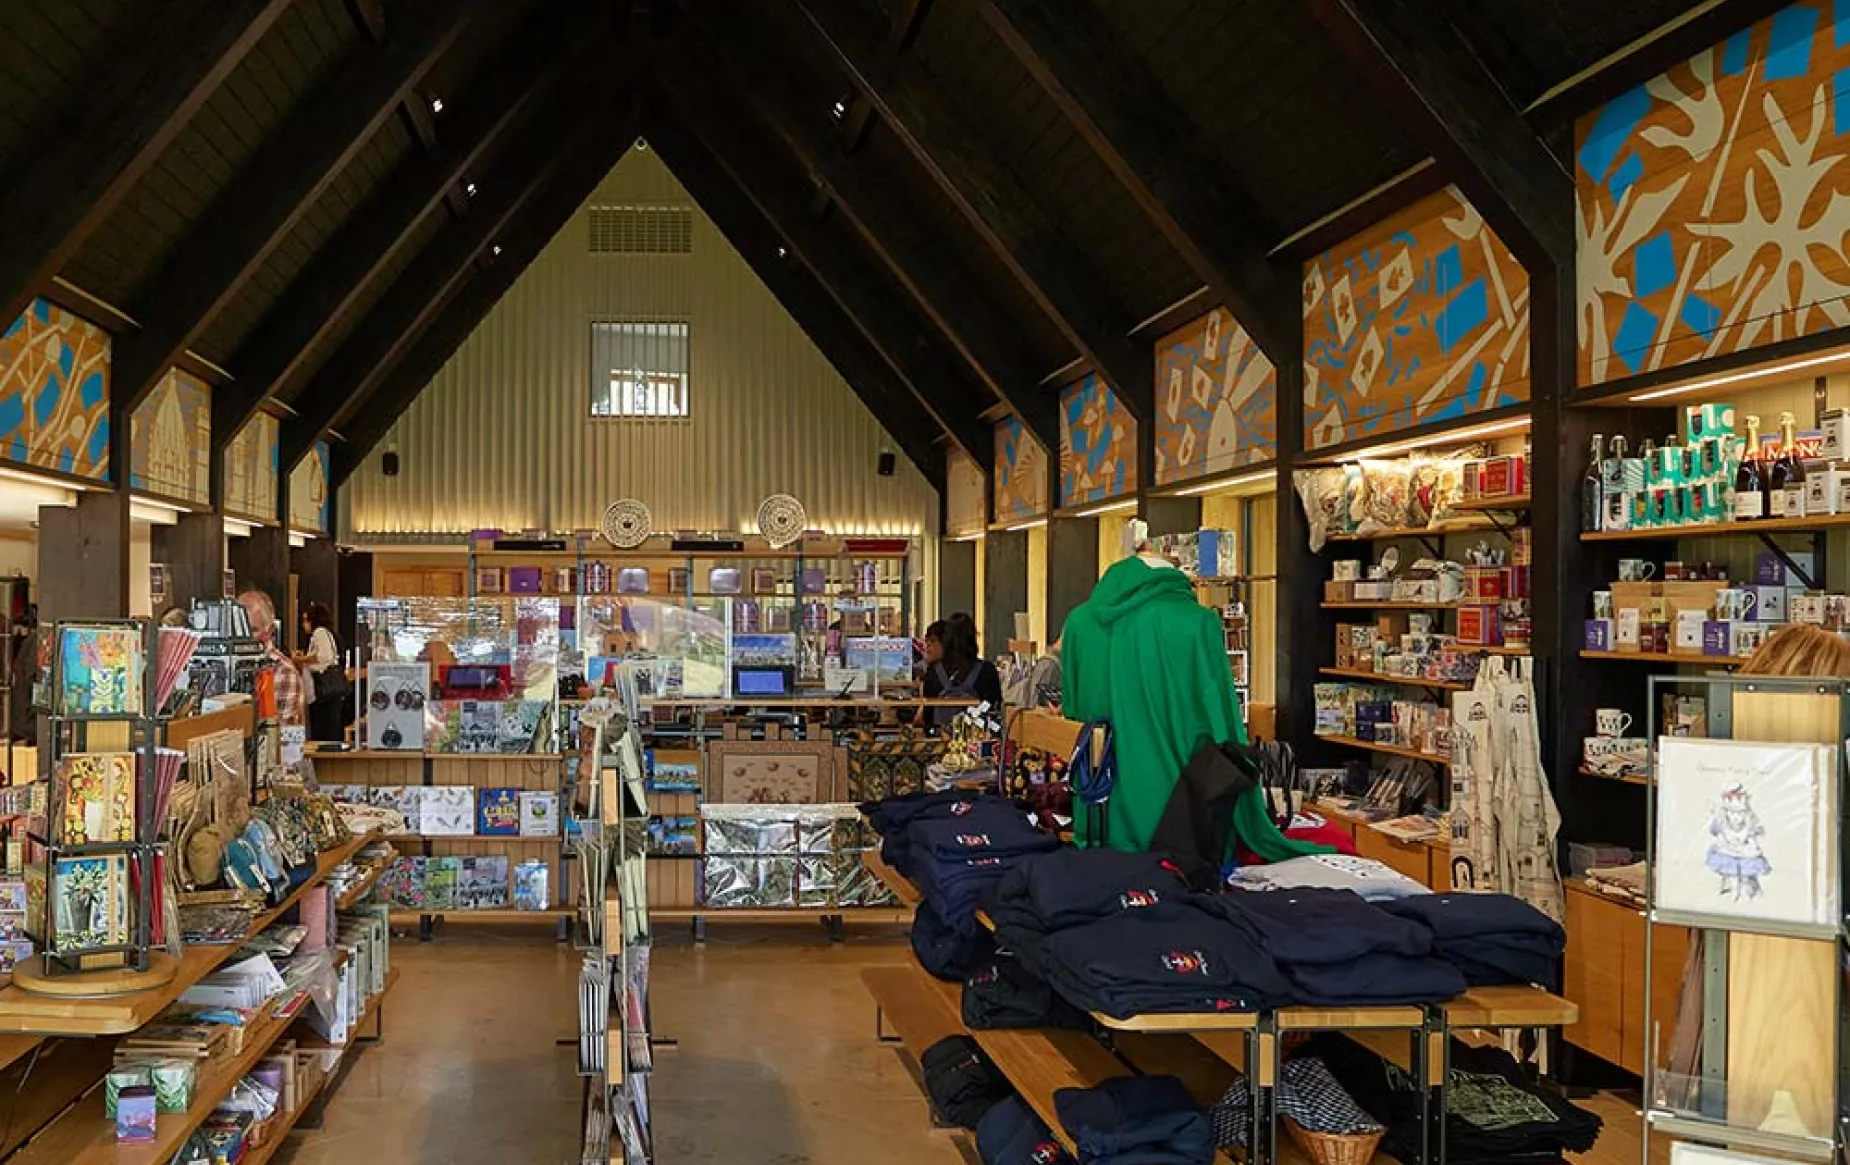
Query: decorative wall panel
170	442
251	470
966	498
309	495
1098	444
503	436
1216	400
1021	473
1713	206
54	392
1420	319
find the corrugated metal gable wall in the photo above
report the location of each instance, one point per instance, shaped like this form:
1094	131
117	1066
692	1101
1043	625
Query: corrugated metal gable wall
503	436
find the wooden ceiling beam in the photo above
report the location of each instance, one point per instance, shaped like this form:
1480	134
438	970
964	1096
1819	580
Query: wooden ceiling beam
545	215
87	158
1162	159
279	350
999	208
758	60
1417	62
230	241
779	186
908	19
803	296
414	298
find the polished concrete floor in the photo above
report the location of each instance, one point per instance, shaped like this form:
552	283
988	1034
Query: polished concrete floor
777	1063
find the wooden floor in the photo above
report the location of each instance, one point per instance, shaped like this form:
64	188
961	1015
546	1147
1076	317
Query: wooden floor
777	1062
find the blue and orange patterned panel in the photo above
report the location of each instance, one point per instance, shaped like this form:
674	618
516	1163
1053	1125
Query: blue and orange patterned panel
1216	400
1098	444
966	505
1713	200
170	445
1422	318
251	470
1021	473
54	392
310	499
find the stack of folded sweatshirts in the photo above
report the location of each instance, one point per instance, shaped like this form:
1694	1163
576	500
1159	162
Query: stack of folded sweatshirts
1495	1113
947	953
1490	938
1136	1120
1010	1134
892	817
1123	935
1000	993
1340	951
957	859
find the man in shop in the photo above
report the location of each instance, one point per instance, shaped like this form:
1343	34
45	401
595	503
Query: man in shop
291	699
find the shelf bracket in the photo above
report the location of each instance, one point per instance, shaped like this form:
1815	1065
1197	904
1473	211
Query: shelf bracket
1434	546
1498	524
1780	553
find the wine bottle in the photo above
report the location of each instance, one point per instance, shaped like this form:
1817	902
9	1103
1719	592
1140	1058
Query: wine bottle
1749	481
1795	467
1593	490
1779	466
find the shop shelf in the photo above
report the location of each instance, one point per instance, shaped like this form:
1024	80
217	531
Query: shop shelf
1723	529
1385	605
1508	502
1676	657
1355	673
1389	749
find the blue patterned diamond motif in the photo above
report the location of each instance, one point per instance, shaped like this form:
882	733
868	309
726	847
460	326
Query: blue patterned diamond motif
1637	332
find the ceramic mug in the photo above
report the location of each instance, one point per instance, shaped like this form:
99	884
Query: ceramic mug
1611	722
1636	569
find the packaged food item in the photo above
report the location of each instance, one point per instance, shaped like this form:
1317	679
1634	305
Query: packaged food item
1386	487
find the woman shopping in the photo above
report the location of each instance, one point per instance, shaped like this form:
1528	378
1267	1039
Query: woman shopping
328	713
955	670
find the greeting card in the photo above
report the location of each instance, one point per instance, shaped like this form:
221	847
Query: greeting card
97	791
99	671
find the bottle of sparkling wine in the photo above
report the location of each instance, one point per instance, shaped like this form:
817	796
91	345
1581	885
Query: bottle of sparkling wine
1593	490
1749	478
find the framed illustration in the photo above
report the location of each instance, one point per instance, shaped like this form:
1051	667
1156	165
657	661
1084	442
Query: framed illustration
633	580
764	580
99	670
723	580
490	580
1744	830
770	772
677	580
564	580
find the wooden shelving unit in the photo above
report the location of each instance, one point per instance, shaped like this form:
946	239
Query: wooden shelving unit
1723	529
1662	657
1508	502
1460	526
1389	749
1385	605
1352	673
1626	778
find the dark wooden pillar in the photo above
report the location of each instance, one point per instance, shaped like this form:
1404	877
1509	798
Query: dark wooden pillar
1005	586
956	576
261	562
1072	569
317	575
355	575
193	550
83	558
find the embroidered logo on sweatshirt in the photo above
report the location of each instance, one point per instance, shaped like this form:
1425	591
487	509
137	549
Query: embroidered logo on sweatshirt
972	840
960	808
986	976
1133	899
1186	962
1045	1153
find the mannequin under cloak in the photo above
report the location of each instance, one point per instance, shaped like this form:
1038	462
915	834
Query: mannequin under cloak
1145	655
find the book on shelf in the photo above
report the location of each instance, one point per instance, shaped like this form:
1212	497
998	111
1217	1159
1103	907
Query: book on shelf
498	812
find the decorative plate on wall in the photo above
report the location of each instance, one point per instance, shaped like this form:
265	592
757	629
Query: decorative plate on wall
627	524
781	520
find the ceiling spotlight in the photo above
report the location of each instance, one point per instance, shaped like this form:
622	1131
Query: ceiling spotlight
496	249
840	109
469	189
436	105
642	145
783	252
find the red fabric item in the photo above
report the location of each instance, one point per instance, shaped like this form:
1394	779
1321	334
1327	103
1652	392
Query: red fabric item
1325	834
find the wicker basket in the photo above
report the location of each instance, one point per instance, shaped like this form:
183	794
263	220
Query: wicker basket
1334	1148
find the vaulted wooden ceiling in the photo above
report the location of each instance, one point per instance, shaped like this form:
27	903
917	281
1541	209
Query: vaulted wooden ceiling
963	202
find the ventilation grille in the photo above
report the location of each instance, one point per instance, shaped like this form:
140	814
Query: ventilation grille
642	230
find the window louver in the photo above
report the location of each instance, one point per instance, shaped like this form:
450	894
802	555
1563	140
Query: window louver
642	230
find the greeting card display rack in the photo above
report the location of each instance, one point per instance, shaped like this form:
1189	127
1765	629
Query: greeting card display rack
618	1060
1755	1056
64	968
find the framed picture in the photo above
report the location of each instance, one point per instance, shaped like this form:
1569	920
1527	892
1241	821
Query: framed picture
633	580
723	580
525	580
564	580
764	580
677	580
1744	830
770	772
490	580
228	584
157	584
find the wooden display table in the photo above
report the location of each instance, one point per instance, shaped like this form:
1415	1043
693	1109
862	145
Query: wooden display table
22	1011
